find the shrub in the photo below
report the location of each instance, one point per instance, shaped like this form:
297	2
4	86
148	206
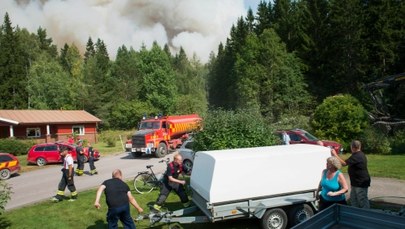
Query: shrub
229	129
109	137
341	118
5	195
292	122
16	147
398	142
374	141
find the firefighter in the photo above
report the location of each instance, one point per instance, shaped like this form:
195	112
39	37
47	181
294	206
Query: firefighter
171	182
91	159
67	178
80	158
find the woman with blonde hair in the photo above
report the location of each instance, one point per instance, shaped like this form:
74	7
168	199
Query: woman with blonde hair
332	186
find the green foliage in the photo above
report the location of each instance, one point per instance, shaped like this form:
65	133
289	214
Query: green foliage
16	147
229	129
5	195
109	137
375	142
158	83
398	142
292	122
126	115
341	118
269	78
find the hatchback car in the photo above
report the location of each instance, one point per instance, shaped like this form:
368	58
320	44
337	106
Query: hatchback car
46	153
298	136
9	165
187	153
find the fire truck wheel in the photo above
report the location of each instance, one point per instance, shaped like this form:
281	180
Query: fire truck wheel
162	150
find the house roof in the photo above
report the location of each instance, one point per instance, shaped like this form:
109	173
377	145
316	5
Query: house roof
17	117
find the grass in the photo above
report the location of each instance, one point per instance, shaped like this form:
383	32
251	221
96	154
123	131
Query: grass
82	214
390	166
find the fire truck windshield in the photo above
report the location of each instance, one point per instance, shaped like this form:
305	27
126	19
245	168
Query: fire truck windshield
150	125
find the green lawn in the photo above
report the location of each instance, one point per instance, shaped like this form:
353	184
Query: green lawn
82	214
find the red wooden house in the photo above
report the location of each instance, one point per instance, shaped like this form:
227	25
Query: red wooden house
48	125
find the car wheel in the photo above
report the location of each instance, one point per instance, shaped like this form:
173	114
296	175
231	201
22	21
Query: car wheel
41	161
5	174
85	159
188	165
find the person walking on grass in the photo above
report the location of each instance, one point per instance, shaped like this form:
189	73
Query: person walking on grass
67	177
118	197
359	176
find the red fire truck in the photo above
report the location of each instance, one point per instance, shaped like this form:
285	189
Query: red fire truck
156	135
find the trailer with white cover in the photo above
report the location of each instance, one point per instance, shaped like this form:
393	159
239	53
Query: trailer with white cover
276	184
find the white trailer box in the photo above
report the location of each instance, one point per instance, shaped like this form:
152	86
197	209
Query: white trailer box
250	173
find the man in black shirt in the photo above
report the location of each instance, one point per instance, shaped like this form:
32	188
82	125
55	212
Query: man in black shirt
171	182
118	197
359	176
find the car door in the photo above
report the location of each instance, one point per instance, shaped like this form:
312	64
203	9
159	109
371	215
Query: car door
294	138
51	153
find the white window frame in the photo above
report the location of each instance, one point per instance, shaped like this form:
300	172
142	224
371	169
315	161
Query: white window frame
81	129
36	130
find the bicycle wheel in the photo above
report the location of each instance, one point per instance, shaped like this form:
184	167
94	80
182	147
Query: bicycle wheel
144	183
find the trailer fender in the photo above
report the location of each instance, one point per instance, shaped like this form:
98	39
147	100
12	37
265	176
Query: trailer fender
260	210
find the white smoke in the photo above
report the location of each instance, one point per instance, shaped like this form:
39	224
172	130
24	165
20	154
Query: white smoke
196	25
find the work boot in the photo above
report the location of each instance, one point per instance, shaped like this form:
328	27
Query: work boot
55	199
157	207
187	204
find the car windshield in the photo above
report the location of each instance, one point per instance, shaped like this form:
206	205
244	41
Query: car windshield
149	125
310	136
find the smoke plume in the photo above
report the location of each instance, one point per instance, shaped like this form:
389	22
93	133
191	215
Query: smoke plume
196	25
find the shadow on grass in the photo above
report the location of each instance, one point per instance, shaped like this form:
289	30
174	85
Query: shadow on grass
98	224
5	223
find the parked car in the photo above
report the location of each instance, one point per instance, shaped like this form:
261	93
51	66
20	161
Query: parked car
9	165
46	153
187	153
298	136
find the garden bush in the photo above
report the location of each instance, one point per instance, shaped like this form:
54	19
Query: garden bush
374	141
341	118
230	129
16	147
398	142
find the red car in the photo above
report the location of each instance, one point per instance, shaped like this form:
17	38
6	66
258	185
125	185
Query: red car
301	136
46	153
9	165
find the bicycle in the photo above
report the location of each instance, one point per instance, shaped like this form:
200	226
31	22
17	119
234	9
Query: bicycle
147	181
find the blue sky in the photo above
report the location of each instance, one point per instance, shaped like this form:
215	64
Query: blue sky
252	4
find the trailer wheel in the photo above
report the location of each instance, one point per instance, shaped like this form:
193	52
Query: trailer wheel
275	218
299	213
161	150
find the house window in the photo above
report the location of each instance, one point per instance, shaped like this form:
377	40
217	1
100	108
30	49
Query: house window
79	130
33	132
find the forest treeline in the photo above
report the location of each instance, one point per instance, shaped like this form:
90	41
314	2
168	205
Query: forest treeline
281	61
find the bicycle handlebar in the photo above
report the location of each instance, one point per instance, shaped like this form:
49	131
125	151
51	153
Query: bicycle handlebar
165	160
